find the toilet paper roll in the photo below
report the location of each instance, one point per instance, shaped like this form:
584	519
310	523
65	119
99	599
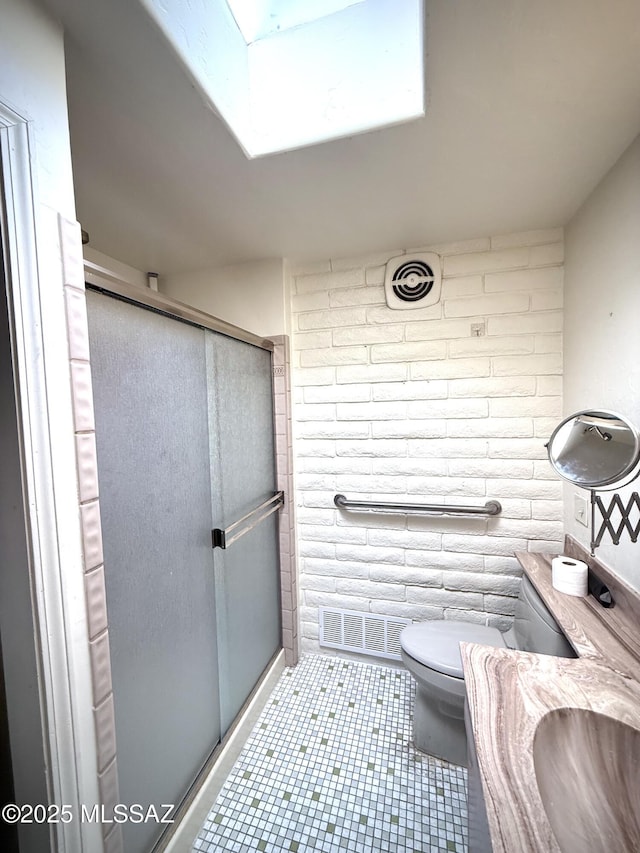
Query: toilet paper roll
570	576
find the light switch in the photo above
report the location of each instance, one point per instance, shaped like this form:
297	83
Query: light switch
580	510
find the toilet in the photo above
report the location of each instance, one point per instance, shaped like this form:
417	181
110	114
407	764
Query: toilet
431	653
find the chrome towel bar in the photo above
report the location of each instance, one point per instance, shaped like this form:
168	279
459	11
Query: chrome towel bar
224	538
490	507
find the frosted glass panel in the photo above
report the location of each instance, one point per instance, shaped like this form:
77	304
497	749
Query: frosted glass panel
248	614
243	476
150	392
241	425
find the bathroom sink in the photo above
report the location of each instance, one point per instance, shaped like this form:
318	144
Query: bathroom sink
587	767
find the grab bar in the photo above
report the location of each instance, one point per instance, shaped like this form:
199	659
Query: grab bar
220	538
490	507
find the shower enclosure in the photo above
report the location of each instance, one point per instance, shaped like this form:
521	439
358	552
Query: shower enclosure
184	432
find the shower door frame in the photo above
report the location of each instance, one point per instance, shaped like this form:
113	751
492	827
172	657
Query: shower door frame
102	280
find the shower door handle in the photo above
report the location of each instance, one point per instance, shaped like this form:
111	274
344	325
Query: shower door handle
224	538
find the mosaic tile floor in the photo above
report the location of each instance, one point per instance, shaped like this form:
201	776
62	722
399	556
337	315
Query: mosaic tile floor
330	767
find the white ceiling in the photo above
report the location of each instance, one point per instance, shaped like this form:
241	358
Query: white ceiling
528	105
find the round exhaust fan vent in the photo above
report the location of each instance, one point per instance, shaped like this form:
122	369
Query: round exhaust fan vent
413	282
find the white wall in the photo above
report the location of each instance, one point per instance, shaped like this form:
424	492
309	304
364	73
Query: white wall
32	81
252	295
602	313
409	406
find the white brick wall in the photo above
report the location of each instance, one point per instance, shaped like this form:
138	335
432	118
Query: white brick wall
409	406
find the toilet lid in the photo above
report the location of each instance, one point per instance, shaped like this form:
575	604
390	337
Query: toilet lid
437	644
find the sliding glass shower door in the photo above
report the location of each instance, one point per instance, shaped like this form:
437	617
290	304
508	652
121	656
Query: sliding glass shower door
243	480
150	398
184	434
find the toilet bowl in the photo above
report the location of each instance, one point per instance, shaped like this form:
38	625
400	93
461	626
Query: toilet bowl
431	653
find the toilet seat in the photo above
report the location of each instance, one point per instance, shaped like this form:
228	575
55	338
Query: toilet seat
437	644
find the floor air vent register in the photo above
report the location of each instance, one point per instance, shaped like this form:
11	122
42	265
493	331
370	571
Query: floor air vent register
362	633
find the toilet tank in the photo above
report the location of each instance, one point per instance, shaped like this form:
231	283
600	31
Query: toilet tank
534	628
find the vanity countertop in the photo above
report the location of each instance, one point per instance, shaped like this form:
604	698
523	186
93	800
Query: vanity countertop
604	635
509	692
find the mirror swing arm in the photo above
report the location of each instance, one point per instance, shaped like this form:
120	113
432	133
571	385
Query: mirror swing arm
600	450
606	524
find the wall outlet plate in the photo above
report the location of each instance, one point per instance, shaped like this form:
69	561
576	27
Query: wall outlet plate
581	510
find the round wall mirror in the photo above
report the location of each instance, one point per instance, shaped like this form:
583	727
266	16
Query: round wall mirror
594	449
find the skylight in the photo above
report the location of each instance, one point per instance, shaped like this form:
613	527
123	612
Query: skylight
285	74
257	19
